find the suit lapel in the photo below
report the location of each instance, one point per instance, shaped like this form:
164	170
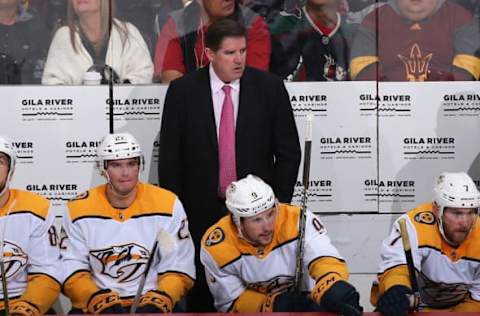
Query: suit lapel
205	101
246	106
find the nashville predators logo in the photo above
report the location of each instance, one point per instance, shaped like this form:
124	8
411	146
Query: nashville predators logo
15	259
215	237
277	284
123	263
425	218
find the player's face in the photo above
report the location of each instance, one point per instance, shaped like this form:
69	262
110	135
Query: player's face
258	229
218	8
417	10
457	223
229	60
4	168
86	6
123	174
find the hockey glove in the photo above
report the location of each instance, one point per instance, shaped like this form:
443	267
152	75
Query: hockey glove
105	302
395	302
155	302
24	308
289	302
342	298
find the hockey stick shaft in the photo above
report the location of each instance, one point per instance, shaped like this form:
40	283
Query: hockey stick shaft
407	248
301	227
6	309
111	115
2	262
141	285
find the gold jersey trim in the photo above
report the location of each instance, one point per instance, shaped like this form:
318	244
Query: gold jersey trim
150	201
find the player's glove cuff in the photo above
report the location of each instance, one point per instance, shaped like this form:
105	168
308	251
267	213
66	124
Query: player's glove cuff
102	300
24	308
323	284
160	300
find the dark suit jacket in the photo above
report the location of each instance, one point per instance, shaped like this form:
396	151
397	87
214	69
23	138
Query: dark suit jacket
267	142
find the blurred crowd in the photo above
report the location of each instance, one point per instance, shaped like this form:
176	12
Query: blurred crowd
58	41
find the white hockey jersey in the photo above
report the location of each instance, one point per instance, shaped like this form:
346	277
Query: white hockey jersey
240	275
111	246
31	250
449	278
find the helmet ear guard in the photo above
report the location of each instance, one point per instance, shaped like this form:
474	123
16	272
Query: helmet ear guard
116	147
7	149
454	190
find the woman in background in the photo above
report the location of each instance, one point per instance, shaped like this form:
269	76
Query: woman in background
85	44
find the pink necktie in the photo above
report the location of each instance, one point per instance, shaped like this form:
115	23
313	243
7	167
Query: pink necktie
226	144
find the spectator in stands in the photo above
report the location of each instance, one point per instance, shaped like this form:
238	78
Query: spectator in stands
359	5
417	41
181	44
470	5
148	16
85	44
444	237
53	12
23	44
314	46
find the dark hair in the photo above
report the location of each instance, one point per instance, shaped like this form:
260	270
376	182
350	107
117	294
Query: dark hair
220	29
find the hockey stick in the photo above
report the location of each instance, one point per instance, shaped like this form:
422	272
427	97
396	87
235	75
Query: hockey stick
166	243
110	80
2	262
297	285
415	298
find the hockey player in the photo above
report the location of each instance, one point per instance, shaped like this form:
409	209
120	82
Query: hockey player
28	243
444	237
111	230
249	257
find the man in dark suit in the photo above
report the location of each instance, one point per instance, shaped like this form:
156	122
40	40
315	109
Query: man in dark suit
199	158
